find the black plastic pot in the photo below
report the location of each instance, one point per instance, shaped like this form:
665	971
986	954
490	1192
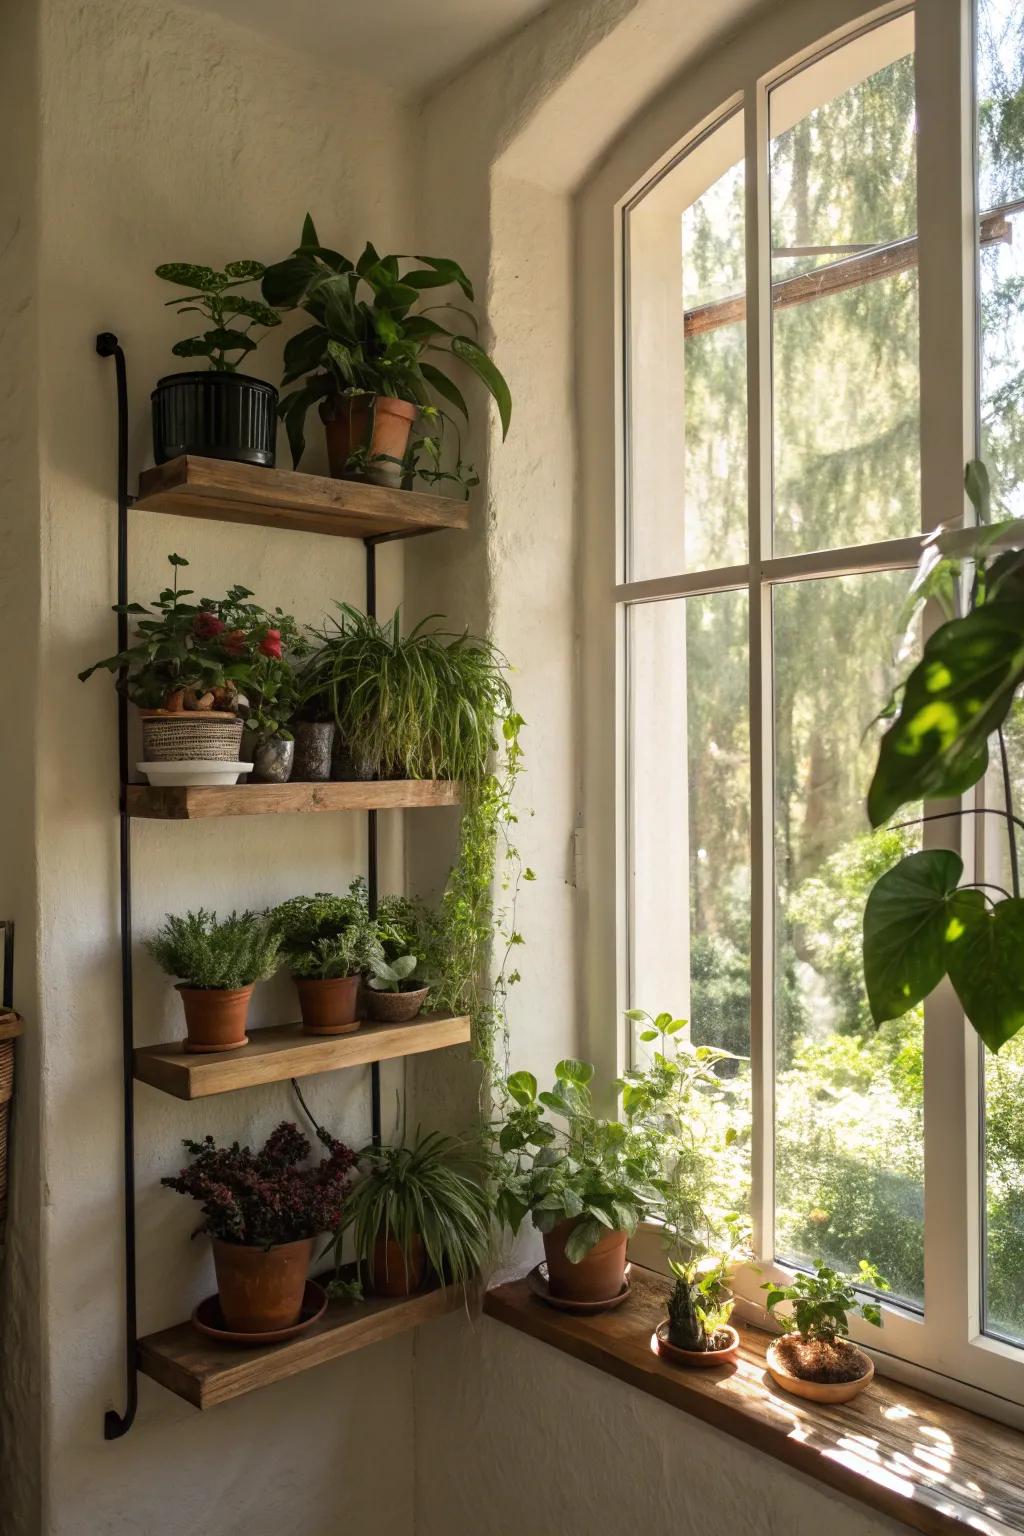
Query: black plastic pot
215	415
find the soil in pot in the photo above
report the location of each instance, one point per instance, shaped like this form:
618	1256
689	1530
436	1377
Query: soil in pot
216	416
329	1007
396	1271
261	1289
395	1007
377	424
820	1371
597	1277
215	1018
726	1350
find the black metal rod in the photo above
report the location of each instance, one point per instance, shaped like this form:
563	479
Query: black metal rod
7	996
372	874
115	1424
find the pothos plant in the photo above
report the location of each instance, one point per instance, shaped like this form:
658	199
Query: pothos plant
231	316
922	921
366	340
560	1161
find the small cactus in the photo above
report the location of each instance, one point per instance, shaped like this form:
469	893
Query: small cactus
685	1329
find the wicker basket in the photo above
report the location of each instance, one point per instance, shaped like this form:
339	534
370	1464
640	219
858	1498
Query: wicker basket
6	1090
209	736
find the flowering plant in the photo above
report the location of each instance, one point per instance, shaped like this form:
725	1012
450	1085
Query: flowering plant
217	653
264	1198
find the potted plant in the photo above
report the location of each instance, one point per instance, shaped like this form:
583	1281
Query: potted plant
219	964
396	992
327	943
263	1213
417	1209
697	1331
366	352
218	413
585	1184
427	705
814	1358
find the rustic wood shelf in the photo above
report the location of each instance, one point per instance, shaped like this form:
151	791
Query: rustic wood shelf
206	1373
282	1051
284	498
197	802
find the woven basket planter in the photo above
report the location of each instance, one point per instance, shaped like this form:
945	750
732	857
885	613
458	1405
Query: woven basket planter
207	736
10	1024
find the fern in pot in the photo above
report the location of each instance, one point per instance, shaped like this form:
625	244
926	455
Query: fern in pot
328	942
220	963
419	1210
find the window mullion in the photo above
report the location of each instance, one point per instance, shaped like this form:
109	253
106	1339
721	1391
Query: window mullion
762	916
946	295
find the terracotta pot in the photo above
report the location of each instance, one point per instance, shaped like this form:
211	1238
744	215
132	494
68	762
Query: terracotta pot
379	422
215	1018
395	1271
597	1277
261	1289
329	1007
395	1007
703	1359
814	1391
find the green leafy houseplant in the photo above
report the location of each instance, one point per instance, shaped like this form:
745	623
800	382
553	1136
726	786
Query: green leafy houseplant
602	1175
815	1346
920	922
325	935
418	1205
231	317
398	975
701	1303
348	953
208	954
365	338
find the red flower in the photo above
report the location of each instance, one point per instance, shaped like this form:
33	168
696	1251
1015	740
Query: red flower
234	642
270	645
206	625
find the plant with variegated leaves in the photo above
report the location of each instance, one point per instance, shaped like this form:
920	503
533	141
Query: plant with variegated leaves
231	316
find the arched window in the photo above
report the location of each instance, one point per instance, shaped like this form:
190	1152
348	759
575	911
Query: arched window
812	346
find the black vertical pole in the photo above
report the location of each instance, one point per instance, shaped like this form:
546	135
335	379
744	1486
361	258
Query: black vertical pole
372	876
114	1424
7	995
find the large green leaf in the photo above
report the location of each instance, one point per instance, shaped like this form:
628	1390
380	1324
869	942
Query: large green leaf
909	917
957	695
986	966
303	352
188	275
476	358
285	283
444	386
582	1238
449	271
235	304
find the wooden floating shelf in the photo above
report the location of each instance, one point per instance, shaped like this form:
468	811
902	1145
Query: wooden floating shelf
281	1052
197	802
206	1373
283	498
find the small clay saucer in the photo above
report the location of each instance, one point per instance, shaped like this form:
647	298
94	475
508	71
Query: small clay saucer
537	1280
703	1359
207	1319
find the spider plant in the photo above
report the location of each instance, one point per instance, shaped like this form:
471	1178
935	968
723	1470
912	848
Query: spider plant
430	1190
421	706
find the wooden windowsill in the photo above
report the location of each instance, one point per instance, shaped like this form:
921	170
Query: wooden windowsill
938	1468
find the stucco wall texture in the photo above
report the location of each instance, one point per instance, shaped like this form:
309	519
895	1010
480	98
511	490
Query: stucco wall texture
149	132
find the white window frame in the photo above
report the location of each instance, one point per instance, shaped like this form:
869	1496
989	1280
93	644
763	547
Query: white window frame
946	1351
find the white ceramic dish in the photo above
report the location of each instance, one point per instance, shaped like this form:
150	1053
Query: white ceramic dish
193	770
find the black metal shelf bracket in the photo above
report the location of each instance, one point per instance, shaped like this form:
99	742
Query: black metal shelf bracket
117	1424
372	871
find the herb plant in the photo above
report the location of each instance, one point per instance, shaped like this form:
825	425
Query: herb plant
325	936
823	1302
348	953
603	1174
920	922
432	1189
241	949
365	339
231	317
264	1198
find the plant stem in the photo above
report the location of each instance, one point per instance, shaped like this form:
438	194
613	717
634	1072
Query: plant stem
1011	830
974	810
985	885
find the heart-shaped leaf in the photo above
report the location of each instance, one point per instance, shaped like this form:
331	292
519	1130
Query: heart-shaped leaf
907	924
985	968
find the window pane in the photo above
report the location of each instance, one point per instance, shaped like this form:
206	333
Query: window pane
690	812
1001	266
687	364
849	1103
844	296
1004	1087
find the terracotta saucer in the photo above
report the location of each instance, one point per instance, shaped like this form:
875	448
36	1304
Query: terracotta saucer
702	1359
332	1029
814	1391
537	1280
207	1319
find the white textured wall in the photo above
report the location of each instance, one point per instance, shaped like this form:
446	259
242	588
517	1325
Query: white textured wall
165	134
